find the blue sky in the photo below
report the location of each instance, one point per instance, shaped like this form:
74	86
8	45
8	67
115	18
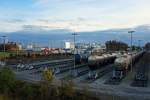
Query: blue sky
74	15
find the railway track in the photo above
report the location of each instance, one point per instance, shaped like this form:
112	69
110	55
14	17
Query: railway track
80	73
60	69
47	64
75	72
141	75
100	72
54	63
67	68
112	81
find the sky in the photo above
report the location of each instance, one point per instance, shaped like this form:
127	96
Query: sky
74	15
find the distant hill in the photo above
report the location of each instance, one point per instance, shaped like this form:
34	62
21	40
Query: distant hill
57	36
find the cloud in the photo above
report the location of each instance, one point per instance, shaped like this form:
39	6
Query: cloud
43	20
40	27
78	15
14	20
9	27
34	26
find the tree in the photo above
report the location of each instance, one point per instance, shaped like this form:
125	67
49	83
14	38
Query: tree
10	46
55	93
45	86
47	75
116	45
27	92
7	80
147	46
67	90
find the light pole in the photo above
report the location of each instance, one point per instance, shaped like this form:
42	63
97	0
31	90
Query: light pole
131	33
4	37
139	43
74	34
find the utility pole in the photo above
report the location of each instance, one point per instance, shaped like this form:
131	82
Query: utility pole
4	37
139	43
131	36
74	34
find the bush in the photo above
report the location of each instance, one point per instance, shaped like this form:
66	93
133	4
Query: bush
66	89
11	89
7	80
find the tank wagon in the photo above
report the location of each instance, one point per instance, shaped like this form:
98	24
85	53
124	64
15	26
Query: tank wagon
96	61
123	64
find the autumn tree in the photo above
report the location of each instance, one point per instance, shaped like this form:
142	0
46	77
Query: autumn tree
10	46
116	45
45	86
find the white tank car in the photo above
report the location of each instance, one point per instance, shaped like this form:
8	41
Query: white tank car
123	63
96	61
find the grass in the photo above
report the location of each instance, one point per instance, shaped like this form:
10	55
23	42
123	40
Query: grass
2	97
4	55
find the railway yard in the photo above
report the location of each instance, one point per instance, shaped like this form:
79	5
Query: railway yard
100	75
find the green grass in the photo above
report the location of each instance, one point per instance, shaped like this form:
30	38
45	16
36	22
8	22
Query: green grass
4	55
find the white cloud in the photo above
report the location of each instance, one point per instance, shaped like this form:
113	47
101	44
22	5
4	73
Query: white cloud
82	15
9	27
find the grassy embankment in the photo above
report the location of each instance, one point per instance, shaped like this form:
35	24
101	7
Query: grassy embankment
4	55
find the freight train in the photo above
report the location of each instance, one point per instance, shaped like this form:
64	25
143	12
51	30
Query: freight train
123	64
96	61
